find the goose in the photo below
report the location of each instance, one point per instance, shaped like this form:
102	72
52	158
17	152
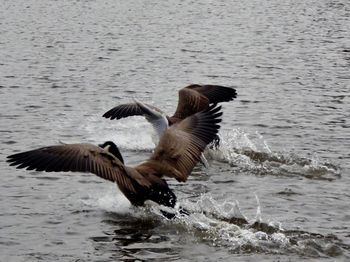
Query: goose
175	156
192	99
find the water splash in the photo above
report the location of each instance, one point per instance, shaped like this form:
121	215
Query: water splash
223	224
258	210
252	154
95	129
217	223
111	200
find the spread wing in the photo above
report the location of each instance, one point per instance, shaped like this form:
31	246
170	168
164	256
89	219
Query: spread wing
190	102
77	158
130	109
124	110
181	145
195	98
153	115
214	93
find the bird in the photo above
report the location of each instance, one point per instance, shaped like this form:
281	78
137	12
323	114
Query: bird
192	99
175	156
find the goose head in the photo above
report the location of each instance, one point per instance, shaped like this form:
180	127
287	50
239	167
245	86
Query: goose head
112	148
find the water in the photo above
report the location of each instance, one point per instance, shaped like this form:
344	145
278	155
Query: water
283	165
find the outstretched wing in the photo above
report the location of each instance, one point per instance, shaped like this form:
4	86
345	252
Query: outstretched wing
190	102
181	145
153	115
124	110
195	98
214	93
77	158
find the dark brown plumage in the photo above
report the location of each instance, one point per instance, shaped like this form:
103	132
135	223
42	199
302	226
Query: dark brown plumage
177	153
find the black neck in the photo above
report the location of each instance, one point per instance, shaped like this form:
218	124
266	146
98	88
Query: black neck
113	149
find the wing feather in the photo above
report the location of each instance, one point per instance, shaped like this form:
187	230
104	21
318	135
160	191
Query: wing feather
181	145
215	93
124	110
78	158
152	114
190	102
195	98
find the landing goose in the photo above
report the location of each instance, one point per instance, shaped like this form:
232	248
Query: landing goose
175	156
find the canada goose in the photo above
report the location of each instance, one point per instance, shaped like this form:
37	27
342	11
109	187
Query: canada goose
176	154
192	99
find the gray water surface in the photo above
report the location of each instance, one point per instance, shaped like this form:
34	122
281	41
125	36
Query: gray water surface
283	163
